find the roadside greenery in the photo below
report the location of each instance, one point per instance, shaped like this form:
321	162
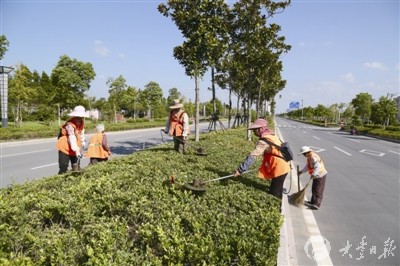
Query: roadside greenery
33	130
128	212
363	110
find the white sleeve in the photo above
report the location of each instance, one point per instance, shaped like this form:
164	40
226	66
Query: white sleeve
72	138
185	124
83	139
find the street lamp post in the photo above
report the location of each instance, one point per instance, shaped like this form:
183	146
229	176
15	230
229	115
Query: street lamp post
302	111
4	71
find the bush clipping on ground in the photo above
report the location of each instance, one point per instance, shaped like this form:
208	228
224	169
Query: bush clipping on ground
128	212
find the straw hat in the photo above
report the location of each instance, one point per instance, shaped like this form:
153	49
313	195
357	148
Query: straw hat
79	111
176	105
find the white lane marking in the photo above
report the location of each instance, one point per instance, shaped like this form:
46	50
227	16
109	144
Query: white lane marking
43	166
48	165
342	151
23	153
354	140
370	152
316	138
320	251
129	138
394	152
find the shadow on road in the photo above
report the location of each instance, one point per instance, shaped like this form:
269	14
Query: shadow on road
129	147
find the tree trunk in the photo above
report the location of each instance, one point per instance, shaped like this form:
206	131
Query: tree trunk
230	108
197	101
248	118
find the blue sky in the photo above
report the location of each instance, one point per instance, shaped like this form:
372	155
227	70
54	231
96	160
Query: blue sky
339	48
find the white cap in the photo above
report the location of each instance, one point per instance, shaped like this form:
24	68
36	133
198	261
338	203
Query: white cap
100	128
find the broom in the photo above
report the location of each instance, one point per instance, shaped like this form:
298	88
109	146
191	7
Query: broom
298	197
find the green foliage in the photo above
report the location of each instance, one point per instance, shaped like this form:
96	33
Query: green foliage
127	212
362	106
32	130
3	45
72	80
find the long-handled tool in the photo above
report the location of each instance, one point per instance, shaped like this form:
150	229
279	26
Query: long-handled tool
298	178
199	151
200	185
298	197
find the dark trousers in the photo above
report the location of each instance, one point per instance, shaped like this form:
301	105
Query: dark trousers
97	160
179	144
276	187
63	161
317	190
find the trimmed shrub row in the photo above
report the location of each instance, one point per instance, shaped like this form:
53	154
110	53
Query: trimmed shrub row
128	212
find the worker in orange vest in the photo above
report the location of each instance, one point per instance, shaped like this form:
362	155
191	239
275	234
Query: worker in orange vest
178	126
315	167
98	150
71	140
273	167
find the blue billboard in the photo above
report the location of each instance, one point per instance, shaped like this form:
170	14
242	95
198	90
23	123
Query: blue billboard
294	105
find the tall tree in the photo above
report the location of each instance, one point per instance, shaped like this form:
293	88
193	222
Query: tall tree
117	87
21	91
384	111
152	97
71	79
199	22
362	106
173	94
130	101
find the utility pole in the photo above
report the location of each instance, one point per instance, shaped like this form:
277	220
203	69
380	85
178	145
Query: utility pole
302	111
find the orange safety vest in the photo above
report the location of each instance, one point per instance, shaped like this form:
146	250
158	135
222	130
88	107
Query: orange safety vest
96	149
273	165
310	167
176	124
63	144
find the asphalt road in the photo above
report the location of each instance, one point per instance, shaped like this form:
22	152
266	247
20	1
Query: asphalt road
358	222
23	161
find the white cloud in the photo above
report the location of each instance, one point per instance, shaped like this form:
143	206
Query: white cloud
349	77
376	65
100	48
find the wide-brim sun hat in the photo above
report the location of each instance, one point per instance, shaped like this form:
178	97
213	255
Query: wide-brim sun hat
176	104
259	123
304	149
79	111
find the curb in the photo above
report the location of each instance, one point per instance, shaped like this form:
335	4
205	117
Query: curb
287	251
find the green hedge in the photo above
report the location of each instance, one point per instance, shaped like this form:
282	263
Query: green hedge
127	212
